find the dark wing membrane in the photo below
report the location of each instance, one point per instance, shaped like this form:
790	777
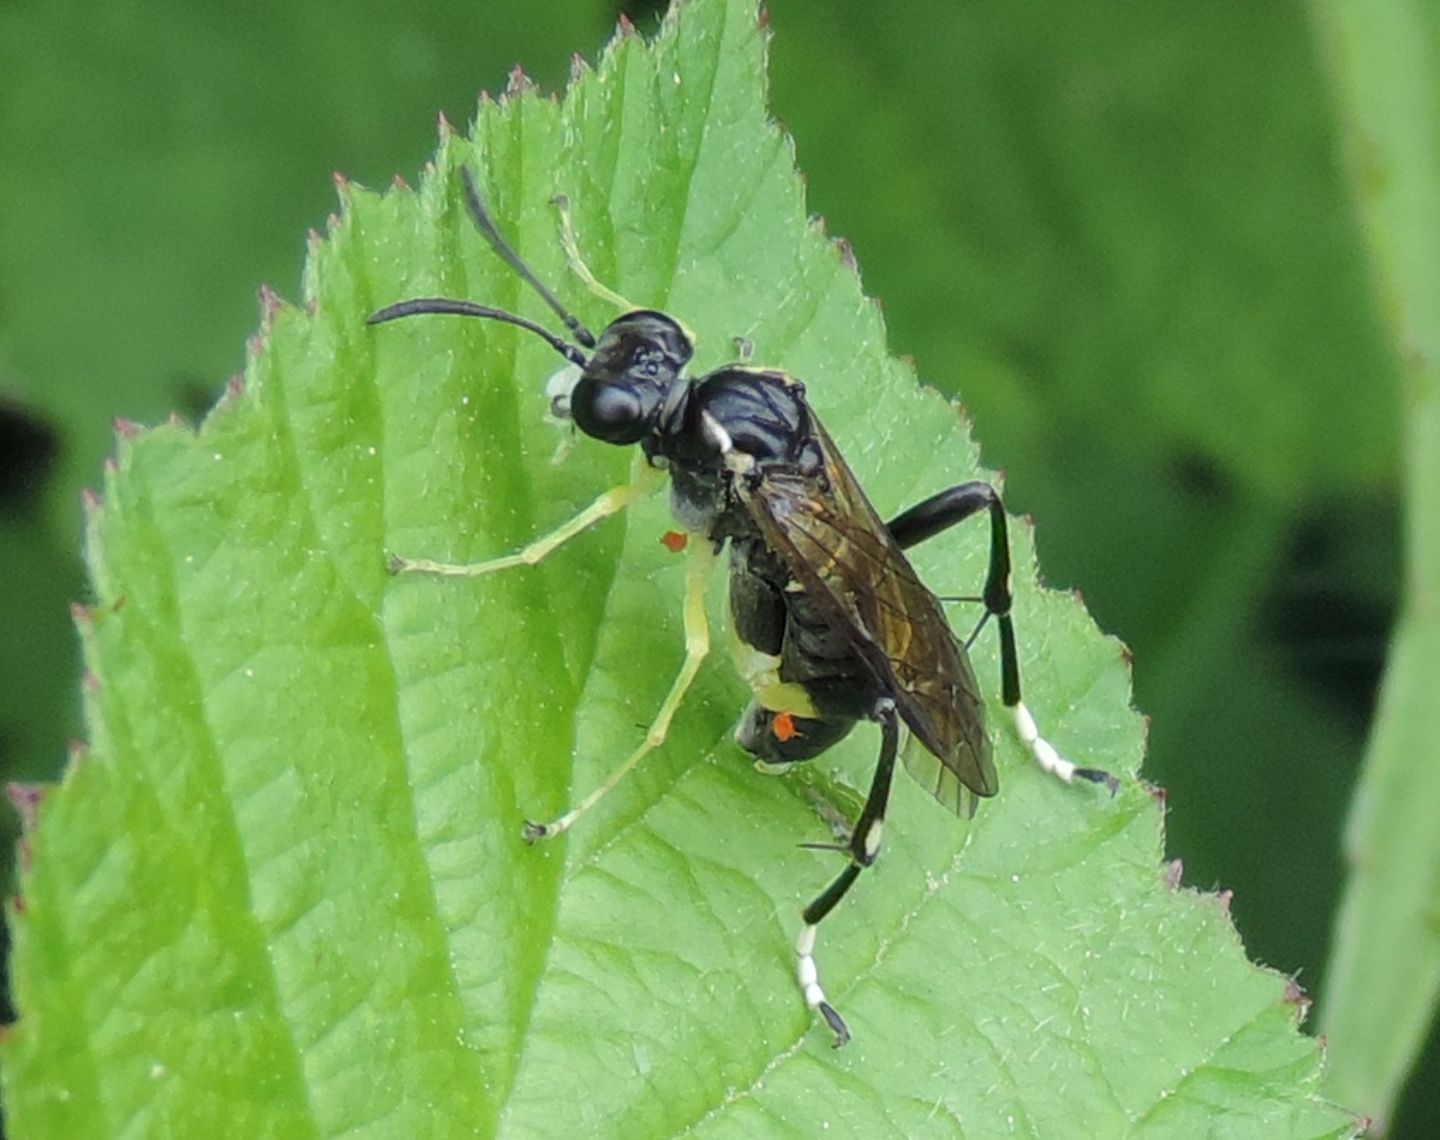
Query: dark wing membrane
840	550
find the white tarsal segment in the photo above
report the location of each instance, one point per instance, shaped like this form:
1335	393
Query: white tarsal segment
1040	748
805	970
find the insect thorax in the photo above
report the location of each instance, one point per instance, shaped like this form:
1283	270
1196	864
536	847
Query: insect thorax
731	412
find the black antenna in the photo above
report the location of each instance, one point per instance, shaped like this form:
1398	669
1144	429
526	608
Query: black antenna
487	227
470	309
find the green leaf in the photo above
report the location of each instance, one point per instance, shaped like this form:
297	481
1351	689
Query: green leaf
1384	982
284	892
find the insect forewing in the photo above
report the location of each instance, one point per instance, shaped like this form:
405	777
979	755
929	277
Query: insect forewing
839	549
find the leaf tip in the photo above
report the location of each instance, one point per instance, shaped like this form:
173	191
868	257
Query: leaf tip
399	183
90	501
443	126
126	429
624	29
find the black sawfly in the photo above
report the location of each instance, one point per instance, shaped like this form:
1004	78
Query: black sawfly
835	624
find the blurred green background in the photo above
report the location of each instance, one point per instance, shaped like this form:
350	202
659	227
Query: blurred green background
1119	233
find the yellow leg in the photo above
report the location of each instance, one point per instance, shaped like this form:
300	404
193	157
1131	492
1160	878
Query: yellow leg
697	645
610	503
577	263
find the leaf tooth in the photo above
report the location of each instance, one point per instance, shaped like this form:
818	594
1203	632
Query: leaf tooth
518	84
25	798
1295	995
270	306
1172	873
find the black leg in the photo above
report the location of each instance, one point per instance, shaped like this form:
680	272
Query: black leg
940	512
864	847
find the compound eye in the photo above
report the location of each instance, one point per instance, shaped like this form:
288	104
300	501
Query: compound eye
613	413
